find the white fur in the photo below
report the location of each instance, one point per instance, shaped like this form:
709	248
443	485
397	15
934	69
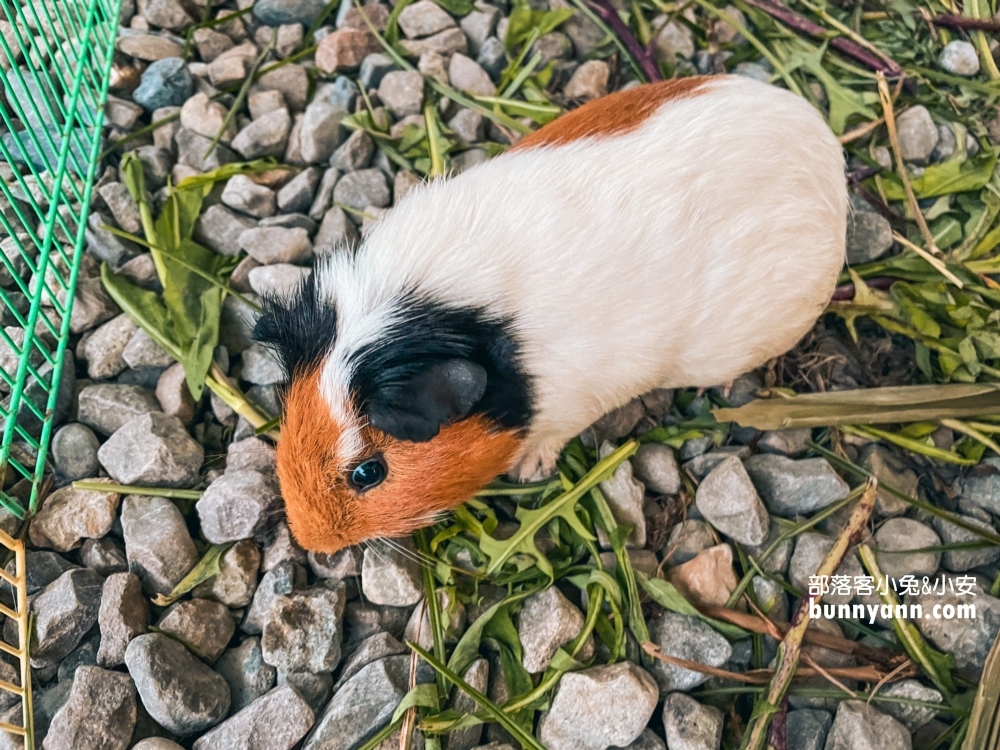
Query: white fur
682	253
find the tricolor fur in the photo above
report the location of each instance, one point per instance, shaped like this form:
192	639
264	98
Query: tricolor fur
677	234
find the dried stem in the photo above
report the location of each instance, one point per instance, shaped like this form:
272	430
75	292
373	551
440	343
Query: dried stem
877	62
789	650
911	198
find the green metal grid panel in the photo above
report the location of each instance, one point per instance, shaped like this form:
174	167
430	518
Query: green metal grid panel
55	64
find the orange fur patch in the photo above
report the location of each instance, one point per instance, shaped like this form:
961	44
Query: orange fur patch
324	511
613	114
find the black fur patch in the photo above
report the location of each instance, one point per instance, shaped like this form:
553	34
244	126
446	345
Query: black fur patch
427	335
299	329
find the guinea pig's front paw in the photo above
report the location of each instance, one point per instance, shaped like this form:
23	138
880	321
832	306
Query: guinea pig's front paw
537	464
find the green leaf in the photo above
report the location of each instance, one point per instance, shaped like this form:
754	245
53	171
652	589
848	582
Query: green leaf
953	176
206	568
519	733
457	7
664	594
144	307
563	506
424	695
523	22
467	649
844	103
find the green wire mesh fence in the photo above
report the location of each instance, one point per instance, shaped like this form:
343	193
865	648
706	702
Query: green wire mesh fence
55	63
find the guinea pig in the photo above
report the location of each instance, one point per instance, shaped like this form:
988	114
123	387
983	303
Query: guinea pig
675	234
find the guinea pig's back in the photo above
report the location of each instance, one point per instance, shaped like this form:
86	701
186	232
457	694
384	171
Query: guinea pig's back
680	247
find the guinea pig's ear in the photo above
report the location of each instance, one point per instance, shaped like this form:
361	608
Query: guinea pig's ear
417	409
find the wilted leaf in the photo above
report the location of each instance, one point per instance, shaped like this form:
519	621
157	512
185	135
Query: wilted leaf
984	720
905	403
207	567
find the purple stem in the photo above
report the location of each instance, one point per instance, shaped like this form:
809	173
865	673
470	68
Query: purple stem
643	56
961	22
850	48
778	736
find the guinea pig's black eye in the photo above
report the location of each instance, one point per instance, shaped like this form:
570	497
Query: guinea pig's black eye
368	474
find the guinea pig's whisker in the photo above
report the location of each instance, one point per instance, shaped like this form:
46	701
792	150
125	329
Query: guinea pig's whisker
414	556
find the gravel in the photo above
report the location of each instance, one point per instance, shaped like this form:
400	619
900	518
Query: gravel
598	707
548	620
99	714
69	516
158	544
204	626
179	691
276	721
685	637
728	500
282	649
689	725
64	611
123	615
152	449
789	487
960	58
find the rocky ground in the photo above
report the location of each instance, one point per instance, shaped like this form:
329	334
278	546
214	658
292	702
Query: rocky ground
181	613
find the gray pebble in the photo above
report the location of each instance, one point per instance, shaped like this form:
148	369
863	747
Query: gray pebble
912	717
282	580
599	706
790	488
961	560
892	543
107	406
807	728
106	556
728	500
869	234
277	721
281	279
656	467
686	540
297	194
104	349
158	546
688	638
165	83
388	577
265	136
859	726
625	498
219	229
179	691
547	621
99	714
492	57
810	549
960	58
123	615
247	674
236	581
152	449
64	612
918	134
336	230
238	505
303	630
402	91
362	706
373	68
246	196
689	725
321	132
269	245
74	451
204	626
363	188
278	12
354	153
